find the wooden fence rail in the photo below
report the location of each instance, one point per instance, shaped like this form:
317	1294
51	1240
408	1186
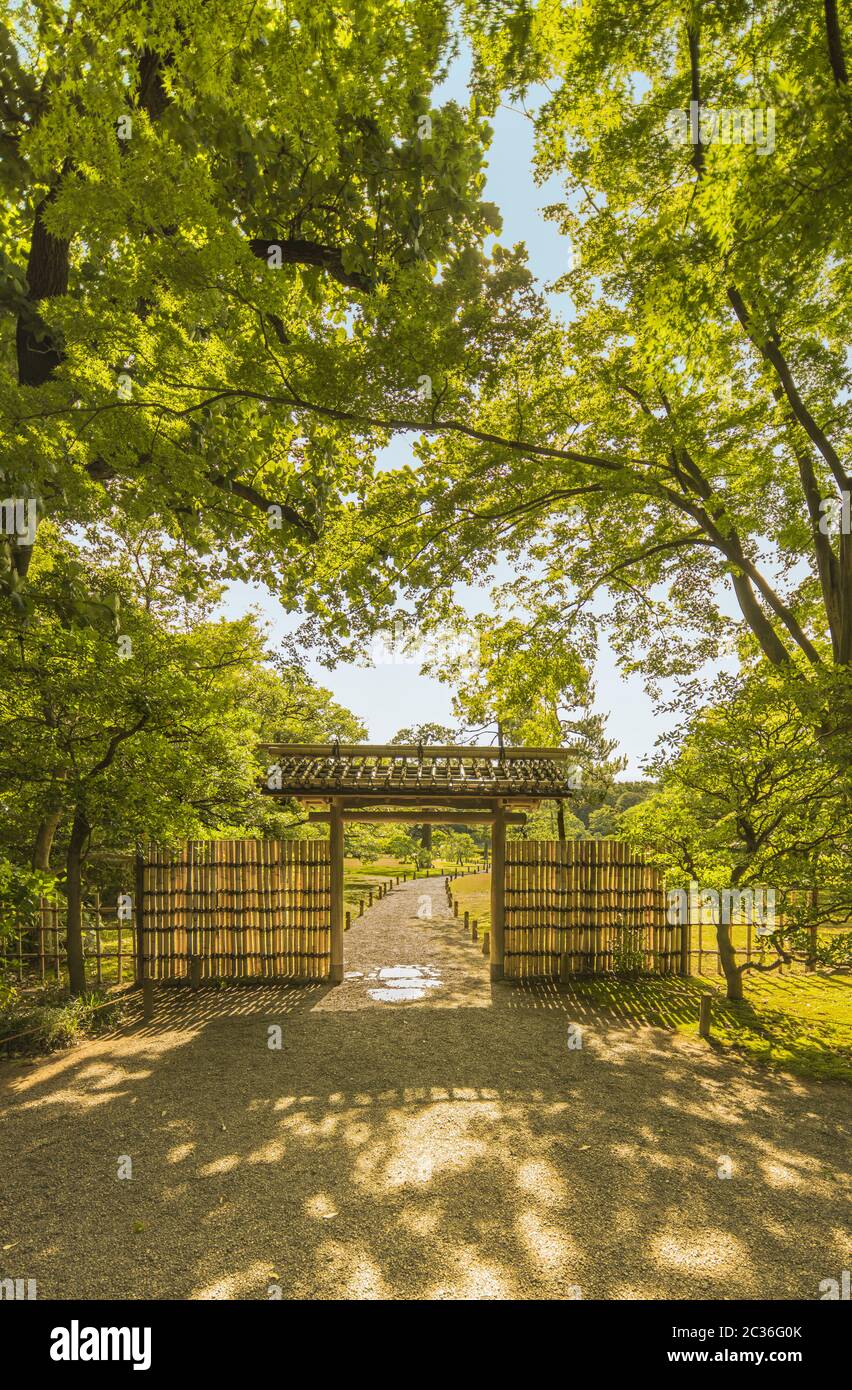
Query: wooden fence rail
109	945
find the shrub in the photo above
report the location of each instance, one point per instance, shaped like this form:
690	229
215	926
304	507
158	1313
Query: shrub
56	1022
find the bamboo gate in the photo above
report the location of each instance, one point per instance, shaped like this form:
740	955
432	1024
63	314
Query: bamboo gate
270	910
261	910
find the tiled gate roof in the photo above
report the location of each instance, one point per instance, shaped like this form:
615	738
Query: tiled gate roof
448	772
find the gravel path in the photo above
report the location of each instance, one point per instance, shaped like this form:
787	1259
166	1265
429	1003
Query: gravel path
418	1135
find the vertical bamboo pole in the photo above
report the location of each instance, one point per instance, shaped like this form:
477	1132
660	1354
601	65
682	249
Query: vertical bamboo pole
159	972
287	872
227	877
209	909
554	910
568	851
290	899
275	905
262	963
221	884
289	859
244	945
284	871
119	965
537	961
311	915
295	894
528	888
270	914
244	942
307	907
320	966
549	911
255	964
214	909
151	938
164	938
597	848
229	849
519	879
192	854
240	856
583	853
523	938
299	901
523	920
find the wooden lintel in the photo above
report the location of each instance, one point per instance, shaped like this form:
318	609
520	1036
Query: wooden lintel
425	804
393	800
423	817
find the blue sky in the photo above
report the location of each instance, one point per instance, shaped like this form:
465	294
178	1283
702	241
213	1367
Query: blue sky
391	696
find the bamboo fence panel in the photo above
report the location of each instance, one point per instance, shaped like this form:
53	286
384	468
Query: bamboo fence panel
552	892
593	902
245	909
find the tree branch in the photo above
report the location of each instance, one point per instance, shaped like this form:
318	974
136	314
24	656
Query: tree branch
835	43
770	350
295	251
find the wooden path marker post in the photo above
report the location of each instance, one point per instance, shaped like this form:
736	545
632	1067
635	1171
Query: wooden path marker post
705	1014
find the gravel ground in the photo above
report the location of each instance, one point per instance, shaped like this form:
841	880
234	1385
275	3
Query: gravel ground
419	1134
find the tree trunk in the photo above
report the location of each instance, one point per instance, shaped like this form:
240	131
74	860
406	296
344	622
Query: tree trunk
560	820
74	896
728	960
42	846
44	840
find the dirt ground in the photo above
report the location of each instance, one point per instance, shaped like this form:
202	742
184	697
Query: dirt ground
419	1134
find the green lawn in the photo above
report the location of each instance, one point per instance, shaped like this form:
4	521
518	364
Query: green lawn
474	896
359	878
800	1023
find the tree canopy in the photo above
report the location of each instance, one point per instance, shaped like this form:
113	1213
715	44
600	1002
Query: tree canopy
678	445
219	227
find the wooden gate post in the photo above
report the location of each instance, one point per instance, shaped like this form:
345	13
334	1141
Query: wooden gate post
498	891
337	921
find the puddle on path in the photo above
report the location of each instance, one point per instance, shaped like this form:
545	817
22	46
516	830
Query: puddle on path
398	984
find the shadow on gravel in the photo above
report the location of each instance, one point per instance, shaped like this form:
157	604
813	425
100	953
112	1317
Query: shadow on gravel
415	1153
